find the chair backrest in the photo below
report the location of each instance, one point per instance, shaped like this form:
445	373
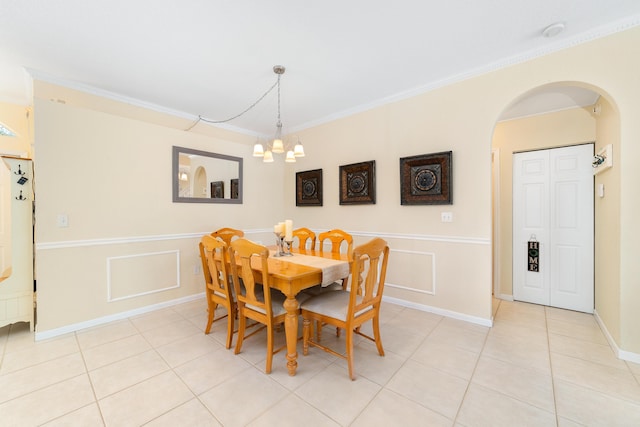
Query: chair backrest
227	234
248	290
369	270
336	237
304	234
212	251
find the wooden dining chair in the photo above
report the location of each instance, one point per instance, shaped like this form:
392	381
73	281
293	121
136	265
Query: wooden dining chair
332	241
217	289
256	300
304	235
227	234
348	310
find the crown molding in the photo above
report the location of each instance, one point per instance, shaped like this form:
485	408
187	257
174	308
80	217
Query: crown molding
594	34
584	37
92	90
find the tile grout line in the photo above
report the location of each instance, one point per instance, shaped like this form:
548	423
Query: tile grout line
553	382
464	396
383	386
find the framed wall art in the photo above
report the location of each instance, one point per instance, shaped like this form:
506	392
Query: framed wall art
426	179
309	188
217	190
235	185
358	183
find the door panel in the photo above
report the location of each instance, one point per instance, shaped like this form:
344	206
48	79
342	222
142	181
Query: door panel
553	200
572	228
530	193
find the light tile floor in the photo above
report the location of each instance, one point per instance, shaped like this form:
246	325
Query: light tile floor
538	366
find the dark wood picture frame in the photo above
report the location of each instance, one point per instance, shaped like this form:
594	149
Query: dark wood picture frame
358	183
217	189
426	179
235	186
309	188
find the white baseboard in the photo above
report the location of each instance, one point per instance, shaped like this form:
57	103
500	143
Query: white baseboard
142	310
440	311
504	297
113	317
620	354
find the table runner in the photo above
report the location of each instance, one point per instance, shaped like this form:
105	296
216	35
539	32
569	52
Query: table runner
332	269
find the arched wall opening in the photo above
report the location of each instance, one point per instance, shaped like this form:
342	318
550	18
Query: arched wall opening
597	122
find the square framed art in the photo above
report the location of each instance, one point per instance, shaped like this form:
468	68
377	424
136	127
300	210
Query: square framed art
426	179
217	190
309	188
358	183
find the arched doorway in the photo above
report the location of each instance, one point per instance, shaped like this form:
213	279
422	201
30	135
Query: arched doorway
200	183
556	115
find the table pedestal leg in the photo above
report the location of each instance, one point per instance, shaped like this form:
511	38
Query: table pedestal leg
291	331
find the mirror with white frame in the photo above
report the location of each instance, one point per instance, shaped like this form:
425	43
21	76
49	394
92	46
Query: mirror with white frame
204	177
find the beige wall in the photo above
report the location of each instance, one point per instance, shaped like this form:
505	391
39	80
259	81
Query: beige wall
462	117
607	227
111	174
557	129
18	118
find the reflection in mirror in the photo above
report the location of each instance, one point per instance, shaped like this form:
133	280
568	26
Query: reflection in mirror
204	177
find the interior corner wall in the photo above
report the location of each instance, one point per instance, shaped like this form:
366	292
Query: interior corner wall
461	117
562	128
607	227
112	177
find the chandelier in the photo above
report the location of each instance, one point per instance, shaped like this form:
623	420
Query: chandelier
277	145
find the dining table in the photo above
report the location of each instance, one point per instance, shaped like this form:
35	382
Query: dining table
291	274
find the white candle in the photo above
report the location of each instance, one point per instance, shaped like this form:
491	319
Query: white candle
288	230
280	228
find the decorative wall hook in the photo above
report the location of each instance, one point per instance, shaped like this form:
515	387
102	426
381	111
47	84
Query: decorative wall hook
603	159
21	197
598	160
19	171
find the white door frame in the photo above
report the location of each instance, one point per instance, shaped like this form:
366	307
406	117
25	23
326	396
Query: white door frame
495	168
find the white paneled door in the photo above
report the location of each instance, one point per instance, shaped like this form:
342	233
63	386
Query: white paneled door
553	206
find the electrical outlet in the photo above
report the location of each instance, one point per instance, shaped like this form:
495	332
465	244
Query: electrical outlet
446	216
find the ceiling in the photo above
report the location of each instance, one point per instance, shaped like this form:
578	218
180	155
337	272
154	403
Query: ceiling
214	58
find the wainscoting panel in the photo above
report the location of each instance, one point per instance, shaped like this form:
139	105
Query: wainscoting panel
412	270
131	276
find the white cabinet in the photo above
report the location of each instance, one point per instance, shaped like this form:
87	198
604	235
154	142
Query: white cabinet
16	241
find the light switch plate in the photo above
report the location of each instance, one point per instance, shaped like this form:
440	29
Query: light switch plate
62	220
446	216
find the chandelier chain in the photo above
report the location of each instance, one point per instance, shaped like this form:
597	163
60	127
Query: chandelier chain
278	83
203	119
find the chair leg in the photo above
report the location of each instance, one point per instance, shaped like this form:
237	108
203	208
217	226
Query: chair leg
269	347
318	330
241	327
306	332
212	312
376	335
229	330
349	339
